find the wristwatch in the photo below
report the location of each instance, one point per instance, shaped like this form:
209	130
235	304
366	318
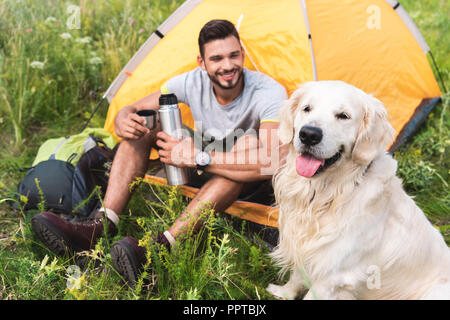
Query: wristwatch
202	160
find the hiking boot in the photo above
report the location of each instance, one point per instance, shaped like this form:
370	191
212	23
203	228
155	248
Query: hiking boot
129	258
63	236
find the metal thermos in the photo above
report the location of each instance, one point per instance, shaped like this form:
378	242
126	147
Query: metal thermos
171	123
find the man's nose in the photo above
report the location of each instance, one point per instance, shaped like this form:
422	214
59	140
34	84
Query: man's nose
227	64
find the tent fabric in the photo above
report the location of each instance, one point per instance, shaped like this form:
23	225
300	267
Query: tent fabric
386	62
371	44
410	24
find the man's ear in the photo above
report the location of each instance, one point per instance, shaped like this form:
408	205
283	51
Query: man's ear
287	115
375	131
200	62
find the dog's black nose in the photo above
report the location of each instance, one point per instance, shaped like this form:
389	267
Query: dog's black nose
310	135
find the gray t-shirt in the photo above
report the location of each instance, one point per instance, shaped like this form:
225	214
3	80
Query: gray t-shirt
259	102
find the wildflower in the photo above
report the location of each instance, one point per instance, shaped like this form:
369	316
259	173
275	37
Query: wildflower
95	60
141	30
48	269
65	35
132	22
29	30
50	19
37	65
84	40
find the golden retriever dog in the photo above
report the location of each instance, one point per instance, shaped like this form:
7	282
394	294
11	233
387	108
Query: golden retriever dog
347	228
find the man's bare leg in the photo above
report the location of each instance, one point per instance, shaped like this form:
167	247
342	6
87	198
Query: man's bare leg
130	162
219	192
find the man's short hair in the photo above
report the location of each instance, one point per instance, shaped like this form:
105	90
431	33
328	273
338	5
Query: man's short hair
214	30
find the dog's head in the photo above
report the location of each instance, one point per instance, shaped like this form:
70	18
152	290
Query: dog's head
327	121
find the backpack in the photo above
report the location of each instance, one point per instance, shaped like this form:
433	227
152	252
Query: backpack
66	171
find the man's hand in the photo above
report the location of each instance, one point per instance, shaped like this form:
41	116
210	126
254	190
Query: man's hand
129	125
179	153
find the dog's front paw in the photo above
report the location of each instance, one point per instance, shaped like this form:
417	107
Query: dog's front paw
281	292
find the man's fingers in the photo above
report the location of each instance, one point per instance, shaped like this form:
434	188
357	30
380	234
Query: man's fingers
134	131
160	143
166	137
129	136
134	117
137	127
162	154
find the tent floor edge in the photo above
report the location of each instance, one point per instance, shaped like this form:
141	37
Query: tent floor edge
251	211
420	115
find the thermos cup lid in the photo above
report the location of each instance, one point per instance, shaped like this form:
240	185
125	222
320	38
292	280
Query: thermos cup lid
168	99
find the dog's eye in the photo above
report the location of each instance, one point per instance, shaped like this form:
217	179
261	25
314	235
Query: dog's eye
307	108
342	116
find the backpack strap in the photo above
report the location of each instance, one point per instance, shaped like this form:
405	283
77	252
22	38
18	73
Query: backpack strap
52	156
71	157
89	143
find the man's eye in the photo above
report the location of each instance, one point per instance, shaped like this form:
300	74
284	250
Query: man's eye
307	108
342	116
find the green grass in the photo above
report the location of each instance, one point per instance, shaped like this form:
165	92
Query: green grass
424	162
36	104
219	262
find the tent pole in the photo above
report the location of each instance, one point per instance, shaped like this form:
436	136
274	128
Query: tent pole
305	16
93	112
438	72
242	43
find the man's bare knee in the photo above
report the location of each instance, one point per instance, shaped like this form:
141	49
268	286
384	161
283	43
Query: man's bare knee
139	147
219	191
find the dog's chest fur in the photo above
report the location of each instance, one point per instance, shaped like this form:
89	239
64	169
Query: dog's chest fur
323	220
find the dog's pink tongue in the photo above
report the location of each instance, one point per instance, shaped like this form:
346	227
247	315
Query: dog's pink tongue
307	165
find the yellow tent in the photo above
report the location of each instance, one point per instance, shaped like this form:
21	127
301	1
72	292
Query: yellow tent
371	44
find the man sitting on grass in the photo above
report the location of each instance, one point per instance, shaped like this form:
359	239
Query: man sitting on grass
225	99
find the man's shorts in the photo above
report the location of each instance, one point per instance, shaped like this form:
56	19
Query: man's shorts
261	192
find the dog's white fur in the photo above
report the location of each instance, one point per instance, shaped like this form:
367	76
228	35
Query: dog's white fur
351	232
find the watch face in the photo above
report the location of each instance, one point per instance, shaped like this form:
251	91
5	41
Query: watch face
202	158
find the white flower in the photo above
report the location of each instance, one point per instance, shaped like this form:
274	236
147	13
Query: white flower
65	35
84	40
37	65
50	19
95	60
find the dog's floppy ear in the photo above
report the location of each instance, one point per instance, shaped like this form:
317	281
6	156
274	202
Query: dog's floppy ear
375	131
287	116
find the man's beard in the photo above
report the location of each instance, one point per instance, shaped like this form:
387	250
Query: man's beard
229	82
